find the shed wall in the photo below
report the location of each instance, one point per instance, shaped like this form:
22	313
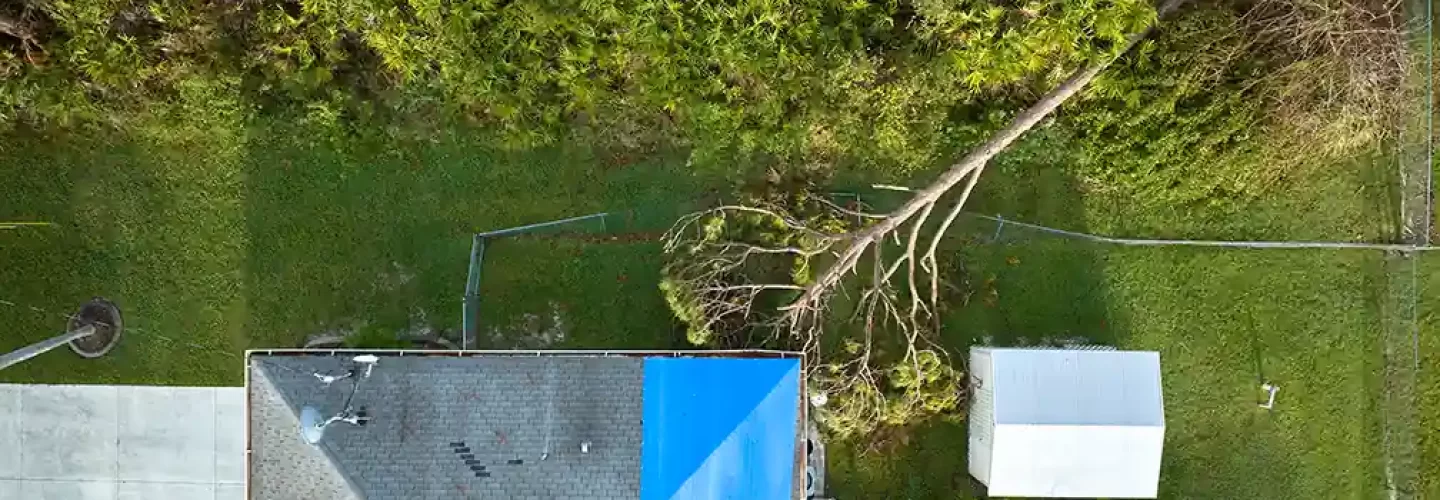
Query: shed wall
982	415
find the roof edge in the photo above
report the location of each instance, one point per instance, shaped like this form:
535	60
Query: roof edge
1160	425
733	353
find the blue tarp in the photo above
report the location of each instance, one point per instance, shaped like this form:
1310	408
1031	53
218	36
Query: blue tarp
719	428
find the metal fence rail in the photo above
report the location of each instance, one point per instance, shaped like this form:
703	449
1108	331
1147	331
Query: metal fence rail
1001	222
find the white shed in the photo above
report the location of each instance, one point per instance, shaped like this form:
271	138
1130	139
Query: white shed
1066	423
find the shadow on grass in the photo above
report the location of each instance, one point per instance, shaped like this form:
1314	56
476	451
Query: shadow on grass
378	231
1223	321
1010	288
218	236
49	271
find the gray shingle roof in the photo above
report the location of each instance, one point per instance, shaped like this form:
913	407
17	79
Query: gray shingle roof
451	427
282	466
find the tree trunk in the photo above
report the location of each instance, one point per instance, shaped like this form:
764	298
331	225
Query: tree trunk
971	163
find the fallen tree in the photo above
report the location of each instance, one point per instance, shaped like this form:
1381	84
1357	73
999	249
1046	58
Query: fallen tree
707	284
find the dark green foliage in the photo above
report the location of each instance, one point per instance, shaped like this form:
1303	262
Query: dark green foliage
871	377
715	250
799	80
1172	119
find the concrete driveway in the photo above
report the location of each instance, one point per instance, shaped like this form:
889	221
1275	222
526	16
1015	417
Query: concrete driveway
75	442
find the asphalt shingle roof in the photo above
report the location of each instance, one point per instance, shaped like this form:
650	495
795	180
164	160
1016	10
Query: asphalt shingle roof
282	466
450	428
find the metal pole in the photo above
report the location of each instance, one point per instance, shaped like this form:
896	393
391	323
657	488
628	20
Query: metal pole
470	316
1334	245
531	227
37	348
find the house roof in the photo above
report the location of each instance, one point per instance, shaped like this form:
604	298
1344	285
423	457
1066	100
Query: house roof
1076	423
500	425
735	442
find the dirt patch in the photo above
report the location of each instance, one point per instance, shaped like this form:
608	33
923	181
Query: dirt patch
104	316
533	331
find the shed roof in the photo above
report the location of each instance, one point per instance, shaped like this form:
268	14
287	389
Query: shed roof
1077	387
478	425
1068	461
1076	423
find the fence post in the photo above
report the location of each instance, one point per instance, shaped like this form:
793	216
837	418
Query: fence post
472	292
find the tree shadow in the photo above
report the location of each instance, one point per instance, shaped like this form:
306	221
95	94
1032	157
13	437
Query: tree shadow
1022	287
1268	315
375	228
1006	286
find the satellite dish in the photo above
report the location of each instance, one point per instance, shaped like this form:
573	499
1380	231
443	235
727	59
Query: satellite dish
312	425
369	361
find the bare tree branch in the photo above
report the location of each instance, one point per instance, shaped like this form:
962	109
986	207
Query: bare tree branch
16	28
908	302
974	162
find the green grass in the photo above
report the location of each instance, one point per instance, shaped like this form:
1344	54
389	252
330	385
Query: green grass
1222	321
221	234
1428	335
258	234
1311	321
605	291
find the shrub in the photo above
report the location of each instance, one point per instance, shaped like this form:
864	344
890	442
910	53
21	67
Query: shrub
1228	98
1169	120
795	80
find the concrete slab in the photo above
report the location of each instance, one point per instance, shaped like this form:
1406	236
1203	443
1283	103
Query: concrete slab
121	442
69	432
167	434
67	490
150	491
10	443
230	435
229	492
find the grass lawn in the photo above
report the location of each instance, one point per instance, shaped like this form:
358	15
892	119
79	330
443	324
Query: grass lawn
1429	378
247	235
1311	321
223	235
258	236
1222	322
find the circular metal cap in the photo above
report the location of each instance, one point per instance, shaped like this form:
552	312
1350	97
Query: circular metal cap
105	317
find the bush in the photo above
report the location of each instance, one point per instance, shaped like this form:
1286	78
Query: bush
797	80
1226	99
1170	120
